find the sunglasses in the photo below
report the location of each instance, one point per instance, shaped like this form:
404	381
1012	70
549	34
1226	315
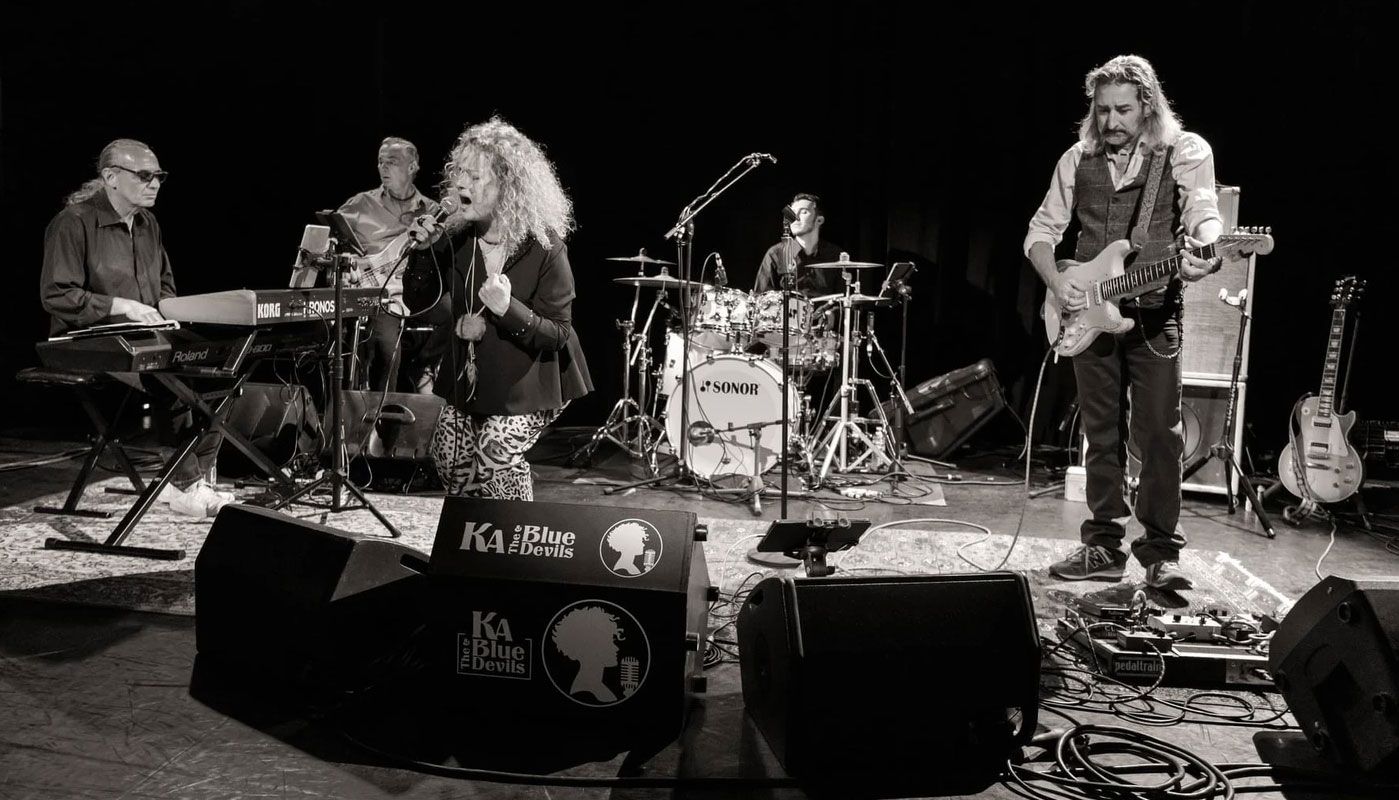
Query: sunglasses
145	175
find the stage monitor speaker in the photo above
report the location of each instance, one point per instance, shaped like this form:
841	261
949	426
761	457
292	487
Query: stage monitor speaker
278	419
585	621
1202	407
399	427
1333	658
934	675
302	604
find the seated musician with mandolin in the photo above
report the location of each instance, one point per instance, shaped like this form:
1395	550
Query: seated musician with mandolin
1115	183
105	262
380	218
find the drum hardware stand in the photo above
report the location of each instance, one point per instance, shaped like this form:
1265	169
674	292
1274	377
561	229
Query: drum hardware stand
894	432
683	232
338	476
616	428
843	427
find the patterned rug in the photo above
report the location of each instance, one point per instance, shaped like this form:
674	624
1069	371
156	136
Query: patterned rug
29	570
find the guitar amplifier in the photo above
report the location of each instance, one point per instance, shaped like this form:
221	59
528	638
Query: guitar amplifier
1378	442
399	428
948	409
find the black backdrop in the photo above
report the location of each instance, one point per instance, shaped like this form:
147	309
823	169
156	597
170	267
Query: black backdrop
930	133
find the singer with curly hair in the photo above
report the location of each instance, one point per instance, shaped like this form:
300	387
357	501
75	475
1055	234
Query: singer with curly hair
514	361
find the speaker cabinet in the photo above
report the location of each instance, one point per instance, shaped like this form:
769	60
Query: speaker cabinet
279	420
395	425
1333	658
302	604
928	676
1203	403
583	621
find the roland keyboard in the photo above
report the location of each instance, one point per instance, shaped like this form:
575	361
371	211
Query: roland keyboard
210	350
269	306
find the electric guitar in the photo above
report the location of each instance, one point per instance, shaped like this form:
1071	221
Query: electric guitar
1328	464
1109	283
374	270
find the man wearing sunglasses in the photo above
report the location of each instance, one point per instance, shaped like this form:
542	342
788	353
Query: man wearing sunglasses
105	262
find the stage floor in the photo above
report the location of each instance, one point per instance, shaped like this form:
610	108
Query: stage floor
98	651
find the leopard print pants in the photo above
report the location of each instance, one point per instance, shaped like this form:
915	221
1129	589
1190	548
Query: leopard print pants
484	456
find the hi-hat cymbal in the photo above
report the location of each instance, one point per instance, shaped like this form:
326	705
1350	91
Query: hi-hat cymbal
843	265
641	258
658	282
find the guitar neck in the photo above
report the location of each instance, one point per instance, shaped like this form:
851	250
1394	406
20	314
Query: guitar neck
1130	283
1331	366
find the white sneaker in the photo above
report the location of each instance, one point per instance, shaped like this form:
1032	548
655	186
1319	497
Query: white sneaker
200	500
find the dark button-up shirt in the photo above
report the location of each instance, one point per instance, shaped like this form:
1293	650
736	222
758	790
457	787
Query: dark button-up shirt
810	282
90	257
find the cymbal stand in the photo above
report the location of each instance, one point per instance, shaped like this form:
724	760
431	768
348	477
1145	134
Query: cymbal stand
836	442
894	432
617	427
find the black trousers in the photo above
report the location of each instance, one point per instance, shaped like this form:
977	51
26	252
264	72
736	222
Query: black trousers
174	420
1123	386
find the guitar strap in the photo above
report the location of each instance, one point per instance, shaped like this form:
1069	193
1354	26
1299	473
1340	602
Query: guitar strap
1146	204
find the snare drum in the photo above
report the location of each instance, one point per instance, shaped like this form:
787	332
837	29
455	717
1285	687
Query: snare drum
767	326
723	318
727	392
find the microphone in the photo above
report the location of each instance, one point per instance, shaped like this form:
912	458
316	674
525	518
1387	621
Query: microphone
701	433
756	157
788	215
721	278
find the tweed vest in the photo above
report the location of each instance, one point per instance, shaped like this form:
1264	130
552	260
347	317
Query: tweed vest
1106	214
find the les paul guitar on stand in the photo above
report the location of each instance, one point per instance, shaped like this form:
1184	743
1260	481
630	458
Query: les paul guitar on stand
1319	464
1109	283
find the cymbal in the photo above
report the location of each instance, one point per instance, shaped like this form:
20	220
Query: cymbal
641	259
658	282
843	265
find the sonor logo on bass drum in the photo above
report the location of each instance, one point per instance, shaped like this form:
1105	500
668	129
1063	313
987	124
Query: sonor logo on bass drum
730	387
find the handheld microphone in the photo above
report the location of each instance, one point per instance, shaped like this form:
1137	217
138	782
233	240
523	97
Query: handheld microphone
721	278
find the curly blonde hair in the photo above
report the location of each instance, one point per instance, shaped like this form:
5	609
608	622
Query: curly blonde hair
1160	125
532	202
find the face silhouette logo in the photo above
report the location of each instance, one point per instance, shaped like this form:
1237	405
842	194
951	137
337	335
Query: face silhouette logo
596	653
630	548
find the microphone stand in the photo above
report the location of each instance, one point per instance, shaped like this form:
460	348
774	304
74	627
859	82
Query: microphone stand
683	232
1224	449
338	476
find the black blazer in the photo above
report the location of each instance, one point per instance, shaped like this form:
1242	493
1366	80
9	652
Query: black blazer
529	359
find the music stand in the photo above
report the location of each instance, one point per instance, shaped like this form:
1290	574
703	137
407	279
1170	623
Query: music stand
338	260
811	540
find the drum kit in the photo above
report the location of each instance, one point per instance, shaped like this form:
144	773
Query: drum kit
716	398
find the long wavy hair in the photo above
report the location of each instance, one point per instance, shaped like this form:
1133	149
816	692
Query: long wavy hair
532	202
1160	125
106	158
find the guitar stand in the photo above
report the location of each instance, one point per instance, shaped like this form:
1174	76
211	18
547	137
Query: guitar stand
1224	448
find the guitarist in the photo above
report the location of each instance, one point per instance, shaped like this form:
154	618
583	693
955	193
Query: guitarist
378	217
1130	139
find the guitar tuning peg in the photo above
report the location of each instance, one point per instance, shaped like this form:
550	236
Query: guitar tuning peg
1268	229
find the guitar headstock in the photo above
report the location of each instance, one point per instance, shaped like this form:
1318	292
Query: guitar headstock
1244	242
1346	291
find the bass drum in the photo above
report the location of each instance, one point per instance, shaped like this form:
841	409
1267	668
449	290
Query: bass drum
727	392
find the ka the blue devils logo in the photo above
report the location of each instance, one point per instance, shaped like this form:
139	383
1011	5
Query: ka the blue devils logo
630	548
596	653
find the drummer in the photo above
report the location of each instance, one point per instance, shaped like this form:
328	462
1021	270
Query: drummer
803	247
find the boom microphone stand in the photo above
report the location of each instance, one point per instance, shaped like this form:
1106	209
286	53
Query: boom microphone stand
338	477
683	232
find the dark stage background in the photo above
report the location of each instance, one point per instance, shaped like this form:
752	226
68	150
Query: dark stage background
930	134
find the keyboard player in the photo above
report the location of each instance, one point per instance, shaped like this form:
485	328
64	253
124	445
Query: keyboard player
105	262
